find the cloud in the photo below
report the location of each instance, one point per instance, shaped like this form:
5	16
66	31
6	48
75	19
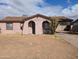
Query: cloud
71	13
31	7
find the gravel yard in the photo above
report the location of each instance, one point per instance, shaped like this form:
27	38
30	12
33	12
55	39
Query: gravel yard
35	47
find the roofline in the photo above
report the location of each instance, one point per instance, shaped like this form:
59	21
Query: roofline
30	17
37	15
74	21
11	21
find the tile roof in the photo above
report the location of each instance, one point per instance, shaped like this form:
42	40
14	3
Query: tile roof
24	18
13	19
62	18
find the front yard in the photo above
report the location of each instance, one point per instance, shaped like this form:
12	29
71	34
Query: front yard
35	47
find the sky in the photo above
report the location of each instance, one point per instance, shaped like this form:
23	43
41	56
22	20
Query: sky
68	8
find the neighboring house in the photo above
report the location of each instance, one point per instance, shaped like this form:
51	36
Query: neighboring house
36	24
72	27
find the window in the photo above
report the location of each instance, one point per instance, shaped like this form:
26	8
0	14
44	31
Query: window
9	26
47	29
46	25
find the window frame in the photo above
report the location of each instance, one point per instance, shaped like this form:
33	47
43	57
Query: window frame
9	26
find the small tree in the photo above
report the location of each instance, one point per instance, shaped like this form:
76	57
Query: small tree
54	24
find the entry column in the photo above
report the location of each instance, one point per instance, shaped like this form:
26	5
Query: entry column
39	28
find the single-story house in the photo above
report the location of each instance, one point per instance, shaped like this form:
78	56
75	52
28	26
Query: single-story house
36	24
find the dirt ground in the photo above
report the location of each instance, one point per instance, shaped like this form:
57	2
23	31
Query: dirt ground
35	47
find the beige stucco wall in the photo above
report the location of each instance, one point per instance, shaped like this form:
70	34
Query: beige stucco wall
26	29
16	28
38	25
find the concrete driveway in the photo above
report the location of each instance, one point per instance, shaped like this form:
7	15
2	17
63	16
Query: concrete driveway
70	38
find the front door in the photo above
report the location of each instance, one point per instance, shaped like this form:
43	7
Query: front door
32	25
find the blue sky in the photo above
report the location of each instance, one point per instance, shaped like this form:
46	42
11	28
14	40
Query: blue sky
63	3
31	7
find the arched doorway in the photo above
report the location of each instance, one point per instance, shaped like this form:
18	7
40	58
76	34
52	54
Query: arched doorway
32	25
46	27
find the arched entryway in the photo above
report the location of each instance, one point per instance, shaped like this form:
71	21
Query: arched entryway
46	27
32	25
